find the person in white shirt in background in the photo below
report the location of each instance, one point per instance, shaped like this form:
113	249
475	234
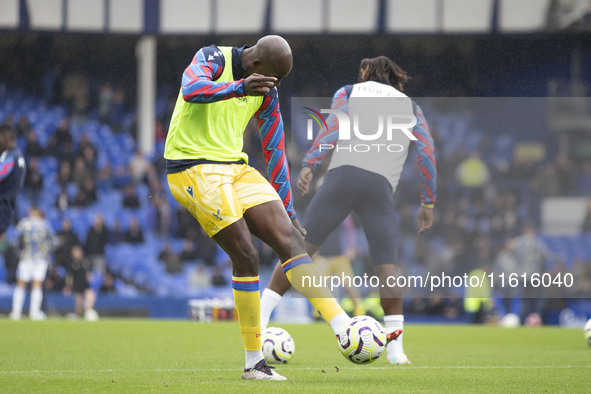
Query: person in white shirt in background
36	240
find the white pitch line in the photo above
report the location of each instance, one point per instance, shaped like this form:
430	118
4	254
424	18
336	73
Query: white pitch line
390	368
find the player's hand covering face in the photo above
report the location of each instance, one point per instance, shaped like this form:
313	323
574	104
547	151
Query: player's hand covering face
259	85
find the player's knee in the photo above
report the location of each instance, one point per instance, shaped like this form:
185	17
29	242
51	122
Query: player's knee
246	262
288	244
296	241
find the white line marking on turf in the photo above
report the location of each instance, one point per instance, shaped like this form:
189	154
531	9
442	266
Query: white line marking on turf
406	368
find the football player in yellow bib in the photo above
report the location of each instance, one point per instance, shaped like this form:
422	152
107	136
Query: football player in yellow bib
222	88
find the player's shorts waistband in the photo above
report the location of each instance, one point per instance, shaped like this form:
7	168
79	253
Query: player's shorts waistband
173	166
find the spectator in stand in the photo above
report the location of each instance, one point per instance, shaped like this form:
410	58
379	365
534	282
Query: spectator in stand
208	248
9	120
116	235
104	181
118	110
108	286
81	199
189	251
505	218
170	259
473	174
105	100
80	172
134	234
130	198
157	188
186	222
199	278
96	241
33	185
162	214
88	154
60	138
84	145
63	200
153	179
66	239
33	147
64	174
90	190
138	166
23	126
121	177
67	155
217	278
75	91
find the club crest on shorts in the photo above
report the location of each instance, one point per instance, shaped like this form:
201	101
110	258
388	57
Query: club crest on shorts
217	215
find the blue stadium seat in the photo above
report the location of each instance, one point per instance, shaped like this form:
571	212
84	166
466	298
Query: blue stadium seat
53	215
2	269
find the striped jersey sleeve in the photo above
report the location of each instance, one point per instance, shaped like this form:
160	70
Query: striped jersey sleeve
6	165
198	83
329	134
270	124
425	157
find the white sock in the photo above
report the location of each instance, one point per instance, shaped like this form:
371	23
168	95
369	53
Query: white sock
253	357
18	299
36	299
269	300
395	322
338	322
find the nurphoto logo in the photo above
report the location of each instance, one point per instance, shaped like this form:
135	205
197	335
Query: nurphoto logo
380	121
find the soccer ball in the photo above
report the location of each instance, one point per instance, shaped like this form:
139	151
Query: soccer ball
362	340
278	346
587	332
91	315
510	320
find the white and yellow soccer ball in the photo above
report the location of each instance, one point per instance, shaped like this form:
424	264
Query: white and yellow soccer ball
587	332
278	345
362	340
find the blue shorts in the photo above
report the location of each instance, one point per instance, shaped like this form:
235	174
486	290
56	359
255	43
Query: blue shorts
349	189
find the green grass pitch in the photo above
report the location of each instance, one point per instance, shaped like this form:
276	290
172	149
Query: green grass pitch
186	357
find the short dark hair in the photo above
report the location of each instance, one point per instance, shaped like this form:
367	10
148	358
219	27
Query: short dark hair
382	69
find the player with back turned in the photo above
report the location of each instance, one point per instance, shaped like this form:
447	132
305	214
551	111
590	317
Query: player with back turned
37	241
222	88
365	183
